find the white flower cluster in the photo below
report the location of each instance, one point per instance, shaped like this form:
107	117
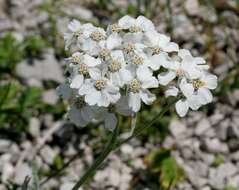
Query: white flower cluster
113	71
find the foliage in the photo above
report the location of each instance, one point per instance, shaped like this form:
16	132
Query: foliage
33	46
11	52
230	188
161	162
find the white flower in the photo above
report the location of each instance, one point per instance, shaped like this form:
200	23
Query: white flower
159	43
99	90
136	27
138	88
82	66
203	85
117	71
80	114
190	100
107	115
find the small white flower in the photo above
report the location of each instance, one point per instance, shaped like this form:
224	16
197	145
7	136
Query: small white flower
159	43
99	90
118	73
82	66
138	88
80	115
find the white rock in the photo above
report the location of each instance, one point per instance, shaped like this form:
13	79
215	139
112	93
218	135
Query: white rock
34	126
46	69
192	7
126	149
233	181
22	172
68	186
177	128
48	154
50	97
4	145
215	146
7	172
202	127
227	170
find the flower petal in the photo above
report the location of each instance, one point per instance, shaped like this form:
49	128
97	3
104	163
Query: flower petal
91	61
172	91
77	81
113	41
205	95
166	77
134	101
110	121
182	107
147	97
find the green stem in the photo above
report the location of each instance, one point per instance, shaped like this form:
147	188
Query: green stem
90	172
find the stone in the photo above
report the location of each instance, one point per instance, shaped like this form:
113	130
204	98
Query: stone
7	172
215	146
21	172
50	97
4	145
221	129
68	186
126	149
177	128
48	154
192	7
46	69
34	126
233	181
202	127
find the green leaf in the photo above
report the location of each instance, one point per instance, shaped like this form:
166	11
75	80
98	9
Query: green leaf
10	53
162	163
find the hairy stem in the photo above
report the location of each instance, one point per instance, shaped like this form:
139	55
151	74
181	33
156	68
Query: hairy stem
90	172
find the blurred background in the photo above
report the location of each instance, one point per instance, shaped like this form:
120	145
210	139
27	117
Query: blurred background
198	152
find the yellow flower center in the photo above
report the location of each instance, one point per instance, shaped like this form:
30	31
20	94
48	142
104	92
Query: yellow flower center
134	29
179	72
104	53
115	28
129	48
114	66
100	84
97	36
137	60
134	86
76	58
198	83
83	69
156	50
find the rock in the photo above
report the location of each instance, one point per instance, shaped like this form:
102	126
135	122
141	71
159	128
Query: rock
48	154
21	172
202	127
34	126
127	149
215	146
68	186
192	7
4	145
216	180
46	69
206	188
200	168
7	172
233	181
177	128
50	97
78	11
221	129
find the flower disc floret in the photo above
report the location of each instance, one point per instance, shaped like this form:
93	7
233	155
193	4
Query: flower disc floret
114	66
135	86
100	84
83	69
129	48
137	60
97	36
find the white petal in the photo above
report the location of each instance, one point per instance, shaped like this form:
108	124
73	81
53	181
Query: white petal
91	61
125	75
194	102
163	40
171	47
211	81
122	106
167	77
87	113
172	91
126	21
64	91
75	117
85	88
205	95
145	23
186	88
134	101
184	53
143	73
77	81
93	97
104	99
110	121
113	41
95	73
147	97
151	38
152	82
118	55
182	107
